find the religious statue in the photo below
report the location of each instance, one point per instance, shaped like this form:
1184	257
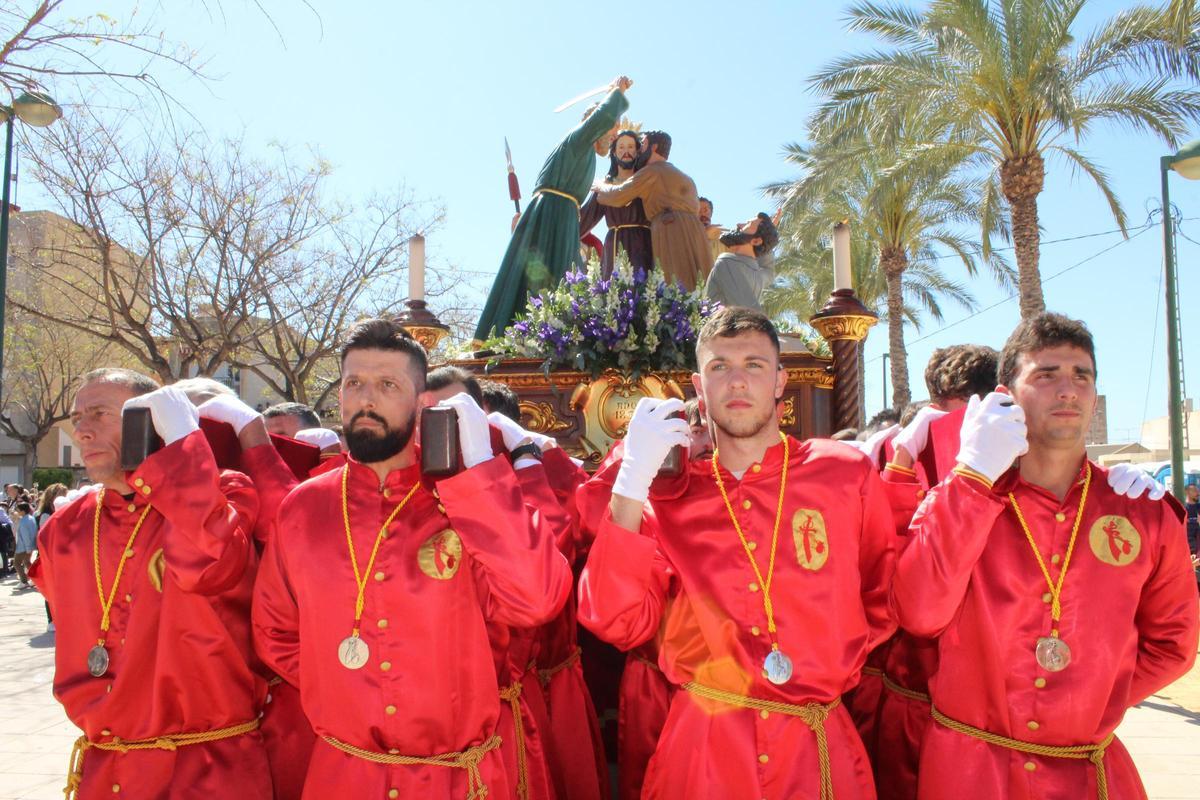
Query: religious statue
545	243
628	228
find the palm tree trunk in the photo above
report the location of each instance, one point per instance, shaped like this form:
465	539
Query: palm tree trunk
1021	180
894	261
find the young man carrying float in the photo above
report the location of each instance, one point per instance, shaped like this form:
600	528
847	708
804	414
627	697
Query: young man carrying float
1057	602
766	570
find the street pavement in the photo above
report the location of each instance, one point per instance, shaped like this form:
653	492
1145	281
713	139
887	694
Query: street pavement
1162	734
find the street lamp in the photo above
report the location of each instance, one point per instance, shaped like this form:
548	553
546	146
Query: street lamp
1186	162
38	110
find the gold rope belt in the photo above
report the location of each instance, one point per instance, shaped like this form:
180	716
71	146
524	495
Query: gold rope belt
651	664
811	714
511	694
170	741
876	671
468	759
629	225
911	694
1090	752
274	681
544	675
557	193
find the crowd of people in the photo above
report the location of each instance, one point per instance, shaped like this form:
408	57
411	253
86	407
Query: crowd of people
961	598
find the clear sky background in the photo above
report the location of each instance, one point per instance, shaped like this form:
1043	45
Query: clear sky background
423	94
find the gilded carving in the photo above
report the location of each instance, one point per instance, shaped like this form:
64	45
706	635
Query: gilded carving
427	336
542	419
788	418
853	327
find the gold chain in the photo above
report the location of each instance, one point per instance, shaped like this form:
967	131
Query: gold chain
106	605
360	578
765	584
1055	588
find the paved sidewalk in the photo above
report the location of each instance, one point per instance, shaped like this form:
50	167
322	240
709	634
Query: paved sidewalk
1163	734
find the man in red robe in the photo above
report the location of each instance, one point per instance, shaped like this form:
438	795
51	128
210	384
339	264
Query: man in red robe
150	580
1057	602
764	570
377	587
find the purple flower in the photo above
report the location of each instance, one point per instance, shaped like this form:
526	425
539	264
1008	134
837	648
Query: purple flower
535	301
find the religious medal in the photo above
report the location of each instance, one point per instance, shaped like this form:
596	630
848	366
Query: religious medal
1052	653
353	653
778	667
97	660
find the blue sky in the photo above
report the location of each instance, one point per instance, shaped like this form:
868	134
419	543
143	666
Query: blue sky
423	93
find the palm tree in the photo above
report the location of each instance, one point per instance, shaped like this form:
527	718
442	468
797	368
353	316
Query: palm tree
903	214
1011	85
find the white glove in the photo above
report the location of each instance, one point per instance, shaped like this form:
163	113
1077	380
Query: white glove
993	435
473	434
227	408
514	434
321	437
873	446
648	441
915	435
171	411
1128	480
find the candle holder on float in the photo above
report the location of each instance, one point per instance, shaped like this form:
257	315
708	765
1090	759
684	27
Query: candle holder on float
844	322
421	323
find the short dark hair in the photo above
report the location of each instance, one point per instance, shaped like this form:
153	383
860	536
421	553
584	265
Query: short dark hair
730	321
1039	332
909	412
386	334
691	411
706	200
767	232
24	507
442	377
960	371
661	140
308	418
500	397
136	382
885	418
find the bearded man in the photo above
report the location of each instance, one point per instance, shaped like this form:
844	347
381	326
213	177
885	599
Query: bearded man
149	579
763	571
545	242
628	228
383	626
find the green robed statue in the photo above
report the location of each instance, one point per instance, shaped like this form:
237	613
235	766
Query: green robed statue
545	243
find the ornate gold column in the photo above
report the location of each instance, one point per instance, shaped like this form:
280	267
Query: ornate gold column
844	322
422	324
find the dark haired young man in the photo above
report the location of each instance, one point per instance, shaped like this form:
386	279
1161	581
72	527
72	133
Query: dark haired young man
763	572
382	626
1057	602
150	580
672	205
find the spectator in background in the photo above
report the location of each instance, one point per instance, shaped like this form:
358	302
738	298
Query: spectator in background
1192	504
285	419
8	541
44	512
26	541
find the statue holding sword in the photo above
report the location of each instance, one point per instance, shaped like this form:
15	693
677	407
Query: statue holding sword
545	242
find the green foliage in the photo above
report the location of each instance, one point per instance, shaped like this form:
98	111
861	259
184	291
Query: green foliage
44	476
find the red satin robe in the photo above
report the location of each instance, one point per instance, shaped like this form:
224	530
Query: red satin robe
969	577
460	555
687	578
286	731
179	635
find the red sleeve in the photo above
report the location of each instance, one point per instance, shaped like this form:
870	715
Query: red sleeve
210	514
877	558
535	486
1167	613
273	479
904	493
276	616
517	560
946	539
623	590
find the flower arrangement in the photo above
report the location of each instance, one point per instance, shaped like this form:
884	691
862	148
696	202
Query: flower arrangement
632	321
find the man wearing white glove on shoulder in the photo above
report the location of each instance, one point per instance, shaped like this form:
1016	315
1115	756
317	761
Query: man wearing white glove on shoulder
766	566
158	653
377	586
1057	602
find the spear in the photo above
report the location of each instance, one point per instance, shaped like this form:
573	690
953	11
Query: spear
514	190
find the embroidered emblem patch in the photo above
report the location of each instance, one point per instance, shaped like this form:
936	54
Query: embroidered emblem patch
1115	541
812	543
158	563
440	555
